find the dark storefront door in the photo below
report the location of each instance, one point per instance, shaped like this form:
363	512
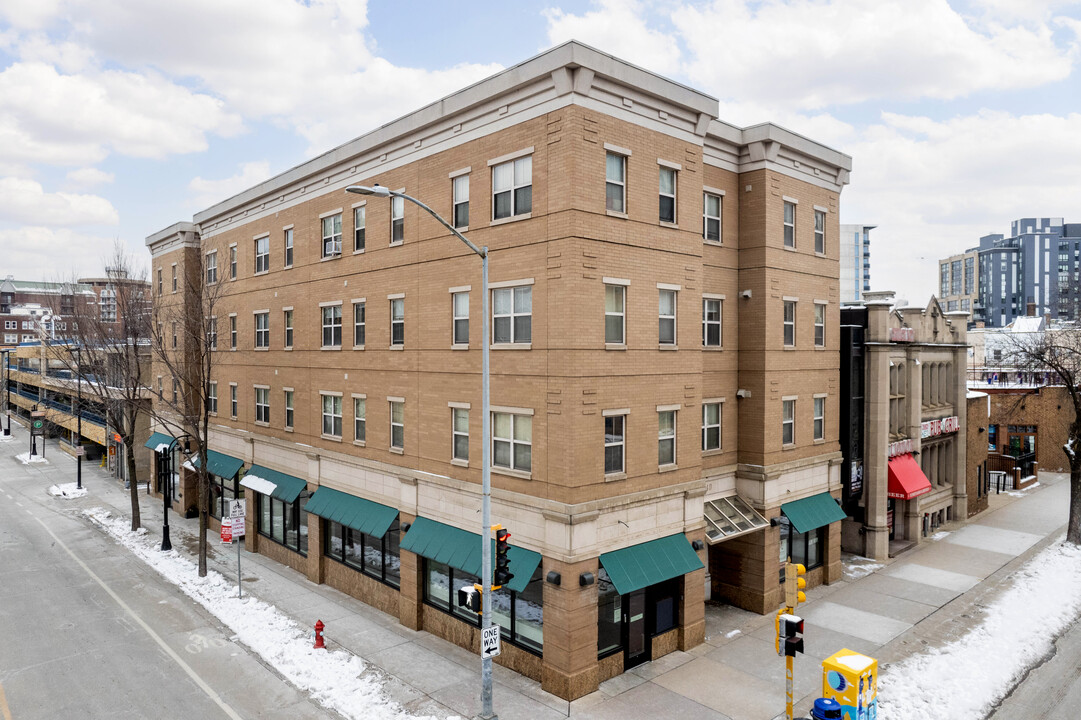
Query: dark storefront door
636	640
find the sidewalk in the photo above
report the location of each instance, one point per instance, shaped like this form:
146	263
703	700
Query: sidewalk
924	598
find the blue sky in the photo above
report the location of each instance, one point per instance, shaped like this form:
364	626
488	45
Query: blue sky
118	118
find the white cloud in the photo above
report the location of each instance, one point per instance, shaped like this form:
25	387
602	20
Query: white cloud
40	253
619	27
25	201
88	177
209	192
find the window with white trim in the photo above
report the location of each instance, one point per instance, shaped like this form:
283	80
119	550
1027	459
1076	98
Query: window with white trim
789	323
262	255
711	217
788	422
460	313
232	400
360	224
262	330
667	194
332	326
212	333
666	316
711	426
212	397
397	425
666	437
615	314
358	324
262	405
711	322
397	321
614	444
512	315
360	419
11	338
174	277
288	324
460	192
512	441
174	336
820	325
332	235
460	433
332	415
512	188
232	332
820	418
212	267
159	283
289	247
232	262
789	224
397	220
820	231
289	408
11	324
615	182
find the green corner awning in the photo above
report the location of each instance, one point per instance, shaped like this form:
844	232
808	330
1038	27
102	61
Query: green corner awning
220	464
354	512
461	550
157	439
275	484
813	512
638	566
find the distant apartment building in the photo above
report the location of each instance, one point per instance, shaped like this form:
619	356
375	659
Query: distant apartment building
959	281
855	261
664	365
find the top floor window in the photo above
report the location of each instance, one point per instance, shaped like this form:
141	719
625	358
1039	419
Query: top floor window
461	201
332	235
262	255
211	267
789	224
397	220
615	182
159	282
711	217
512	188
668	195
360	225
820	232
174	278
289	247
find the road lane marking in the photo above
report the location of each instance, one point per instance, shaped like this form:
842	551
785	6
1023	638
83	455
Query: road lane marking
149	631
4	705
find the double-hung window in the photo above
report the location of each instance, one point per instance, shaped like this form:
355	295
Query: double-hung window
666	317
512	188
288	324
211	267
711	217
212	397
666	437
512	441
289	408
512	315
360	418
460	191
460	317
820	418
614	443
262	329
397	321
332	415
332	235
789	322
615	182
159	283
212	333
358	323
232	400
789	224
788	421
397	220
288	247
332	325
262	254
460	433
397	424
711	321
667	194
232	332
174	336
711	426
262	404
820	324
360	224
174	277
615	314
820	231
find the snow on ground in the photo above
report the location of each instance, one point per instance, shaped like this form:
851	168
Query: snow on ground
732	633
26	459
1021	493
6	438
941	535
68	490
857	566
333	678
965	678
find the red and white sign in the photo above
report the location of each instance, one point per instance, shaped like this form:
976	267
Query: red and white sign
941	426
902	335
901	447
226	530
236	515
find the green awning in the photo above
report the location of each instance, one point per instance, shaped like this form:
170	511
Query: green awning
813	512
354	512
157	439
649	563
280	486
224	466
461	550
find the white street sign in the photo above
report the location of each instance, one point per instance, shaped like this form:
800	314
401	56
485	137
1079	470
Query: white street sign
489	641
238	527
236	509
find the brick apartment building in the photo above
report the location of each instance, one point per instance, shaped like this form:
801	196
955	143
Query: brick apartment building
665	294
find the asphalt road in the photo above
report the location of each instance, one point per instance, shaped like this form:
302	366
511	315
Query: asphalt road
1051	691
88	631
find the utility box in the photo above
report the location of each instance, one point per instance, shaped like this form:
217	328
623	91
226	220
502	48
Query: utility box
852	680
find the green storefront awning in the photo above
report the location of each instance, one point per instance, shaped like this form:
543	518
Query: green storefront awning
285	487
157	439
220	464
638	566
813	512
461	550
354	512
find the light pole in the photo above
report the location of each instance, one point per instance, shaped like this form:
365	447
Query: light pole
165	476
77	351
7	390
486	463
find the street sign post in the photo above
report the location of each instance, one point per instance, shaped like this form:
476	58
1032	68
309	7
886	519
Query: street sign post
237	510
489	642
226	530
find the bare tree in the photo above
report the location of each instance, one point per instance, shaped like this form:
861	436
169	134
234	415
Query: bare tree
184	341
106	349
1057	354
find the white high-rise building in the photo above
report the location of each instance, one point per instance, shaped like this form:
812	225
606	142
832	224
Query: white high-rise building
855	261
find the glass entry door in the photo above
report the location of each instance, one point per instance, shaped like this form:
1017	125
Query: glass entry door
636	640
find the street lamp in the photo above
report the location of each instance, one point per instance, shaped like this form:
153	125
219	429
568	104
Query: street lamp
7	389
165	477
77	352
486	464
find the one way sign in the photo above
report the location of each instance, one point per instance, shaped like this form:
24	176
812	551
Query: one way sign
489	641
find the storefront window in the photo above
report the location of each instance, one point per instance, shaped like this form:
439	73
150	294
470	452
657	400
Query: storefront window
805	548
376	557
437	584
665	601
284	523
609	616
529	614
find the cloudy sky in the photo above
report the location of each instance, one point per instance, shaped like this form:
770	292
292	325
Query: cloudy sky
119	117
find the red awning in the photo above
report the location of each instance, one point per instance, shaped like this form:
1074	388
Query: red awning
907	480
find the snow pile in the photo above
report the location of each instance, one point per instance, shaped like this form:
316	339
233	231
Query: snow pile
333	678
68	490
1022	491
26	459
857	566
6	438
941	535
965	678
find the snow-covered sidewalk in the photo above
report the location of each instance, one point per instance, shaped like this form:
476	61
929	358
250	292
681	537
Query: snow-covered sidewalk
67	490
332	678
966	678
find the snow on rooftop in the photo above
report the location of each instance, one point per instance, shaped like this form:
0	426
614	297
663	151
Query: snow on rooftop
162	447
1027	324
972	394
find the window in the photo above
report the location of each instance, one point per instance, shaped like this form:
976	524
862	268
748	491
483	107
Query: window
711	217
460	433
262	330
944	280
284	523
287	322
992	438
377	557
288	247
460	190
212	397
288	408
512	188
460	315
613	444
397	321
212	267
512	441
667	318
232	400
360	413
668	195
11	338
397	424
222	491
820	232
332	415
397	220
212	333
819	418
512	315
108	305
820	325
332	326
159	282
789	323
615	314
615	185
11	324
788	422
232	259
360	224
711	426
332	235
609	616
232	332
666	437
174	277
711	322
174	336
262	405
262	255
789	224
358	323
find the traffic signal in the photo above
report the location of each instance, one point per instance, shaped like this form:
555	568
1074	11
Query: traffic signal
469	598
502	575
794	585
791	631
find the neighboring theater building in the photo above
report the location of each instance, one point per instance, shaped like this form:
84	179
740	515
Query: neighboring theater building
904	419
664	380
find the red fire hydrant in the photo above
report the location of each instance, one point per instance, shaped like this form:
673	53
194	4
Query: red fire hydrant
319	635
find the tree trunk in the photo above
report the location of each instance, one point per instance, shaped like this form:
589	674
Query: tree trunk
133	483
202	520
1073	530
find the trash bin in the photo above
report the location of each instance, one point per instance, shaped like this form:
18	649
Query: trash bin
826	709
851	680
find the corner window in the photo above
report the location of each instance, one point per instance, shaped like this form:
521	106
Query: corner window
668	195
711	426
262	405
789	224
711	322
460	434
512	441
332	326
615	314
289	408
332	415
360	417
788	422
711	218
212	267
460	312
460	190
666	437
262	255
397	425
262	330
820	325
397	220
360	223
397	321
789	323
512	315
820	232
613	444
289	247
667	318
512	188
358	324
615	182
332	235
820	418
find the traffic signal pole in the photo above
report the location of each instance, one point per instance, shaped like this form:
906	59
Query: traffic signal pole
788	686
